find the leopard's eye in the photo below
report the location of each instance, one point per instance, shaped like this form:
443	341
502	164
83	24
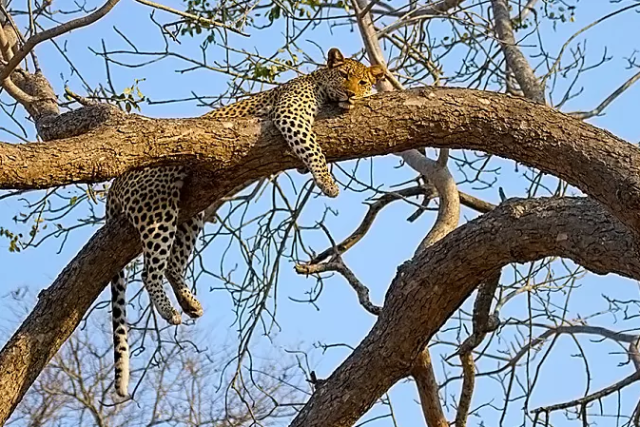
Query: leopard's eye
363	83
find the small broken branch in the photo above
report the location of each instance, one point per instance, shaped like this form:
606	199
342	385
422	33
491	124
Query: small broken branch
336	264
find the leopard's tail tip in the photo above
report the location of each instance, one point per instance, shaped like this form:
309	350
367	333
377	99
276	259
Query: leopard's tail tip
122	376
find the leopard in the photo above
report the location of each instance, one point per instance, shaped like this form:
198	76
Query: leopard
149	197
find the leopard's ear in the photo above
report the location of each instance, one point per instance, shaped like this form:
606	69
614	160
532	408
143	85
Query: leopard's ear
377	72
335	58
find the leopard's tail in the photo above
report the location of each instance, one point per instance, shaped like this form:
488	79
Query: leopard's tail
120	344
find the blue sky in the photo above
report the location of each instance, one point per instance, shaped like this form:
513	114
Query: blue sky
338	318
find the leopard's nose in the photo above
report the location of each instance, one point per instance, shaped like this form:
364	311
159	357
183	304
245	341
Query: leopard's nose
350	94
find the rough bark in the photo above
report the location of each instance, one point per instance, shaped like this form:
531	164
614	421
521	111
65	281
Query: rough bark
592	159
429	288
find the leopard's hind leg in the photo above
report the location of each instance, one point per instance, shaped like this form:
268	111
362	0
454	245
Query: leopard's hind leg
150	200
183	245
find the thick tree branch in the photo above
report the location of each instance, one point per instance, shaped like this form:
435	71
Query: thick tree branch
449	210
447	220
595	161
425	293
429	288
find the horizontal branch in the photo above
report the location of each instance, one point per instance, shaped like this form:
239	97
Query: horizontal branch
613	388
595	161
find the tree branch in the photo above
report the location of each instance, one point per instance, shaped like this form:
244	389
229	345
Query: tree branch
432	10
593	396
468	385
336	264
449	210
367	221
425	378
430	287
55	32
595	161
191	16
608	100
516	61
483	322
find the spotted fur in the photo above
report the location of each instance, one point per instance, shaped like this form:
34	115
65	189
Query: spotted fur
149	197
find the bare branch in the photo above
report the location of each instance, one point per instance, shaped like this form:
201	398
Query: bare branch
439	175
525	11
432	10
191	16
593	396
527	80
475	203
609	99
336	264
36	39
483	322
367	221
556	63
17	93
468	385
423	374
372	45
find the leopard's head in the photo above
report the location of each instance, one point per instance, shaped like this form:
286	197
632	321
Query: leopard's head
349	79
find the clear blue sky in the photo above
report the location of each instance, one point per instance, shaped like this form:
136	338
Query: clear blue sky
339	318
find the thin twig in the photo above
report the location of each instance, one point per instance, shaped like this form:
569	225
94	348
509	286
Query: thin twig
336	264
191	16
608	100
